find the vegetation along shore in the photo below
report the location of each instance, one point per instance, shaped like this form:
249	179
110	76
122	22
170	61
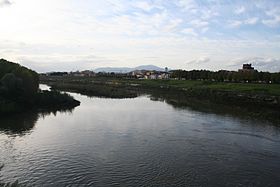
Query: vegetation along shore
19	91
253	98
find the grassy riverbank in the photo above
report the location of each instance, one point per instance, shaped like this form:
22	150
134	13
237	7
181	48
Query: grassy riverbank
238	93
269	89
238	99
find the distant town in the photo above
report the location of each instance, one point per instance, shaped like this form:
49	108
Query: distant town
247	73
139	74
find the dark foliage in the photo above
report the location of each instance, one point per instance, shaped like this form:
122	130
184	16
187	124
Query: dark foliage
47	99
227	76
19	90
98	90
58	73
15	77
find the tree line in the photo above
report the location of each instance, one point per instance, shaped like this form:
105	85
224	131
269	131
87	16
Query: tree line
227	76
16	80
19	91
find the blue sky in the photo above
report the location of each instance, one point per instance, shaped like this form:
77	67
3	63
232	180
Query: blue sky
49	35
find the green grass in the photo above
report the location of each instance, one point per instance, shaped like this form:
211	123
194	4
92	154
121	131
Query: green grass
254	88
270	89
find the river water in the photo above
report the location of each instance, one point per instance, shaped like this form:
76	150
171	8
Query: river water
137	142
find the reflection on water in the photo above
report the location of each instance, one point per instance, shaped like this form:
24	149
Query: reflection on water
21	124
18	124
44	87
140	142
180	101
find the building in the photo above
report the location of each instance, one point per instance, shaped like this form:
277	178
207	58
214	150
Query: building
146	74
86	73
247	68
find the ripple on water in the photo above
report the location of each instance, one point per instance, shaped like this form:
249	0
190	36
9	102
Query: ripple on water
126	146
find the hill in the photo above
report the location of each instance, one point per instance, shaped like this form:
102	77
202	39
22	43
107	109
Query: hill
127	69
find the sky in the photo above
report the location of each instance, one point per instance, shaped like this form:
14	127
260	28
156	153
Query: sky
70	35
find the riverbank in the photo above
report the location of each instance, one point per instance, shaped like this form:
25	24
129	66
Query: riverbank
260	101
235	93
42	101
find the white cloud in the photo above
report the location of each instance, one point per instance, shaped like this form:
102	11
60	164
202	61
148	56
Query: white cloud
239	10
274	22
200	60
238	23
251	21
193	7
123	33
260	63
187	5
5	2
274	19
172	51
204	30
144	5
172	25
199	23
208	14
189	31
198	63
235	23
273	12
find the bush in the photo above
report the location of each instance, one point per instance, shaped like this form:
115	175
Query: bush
47	99
17	79
19	91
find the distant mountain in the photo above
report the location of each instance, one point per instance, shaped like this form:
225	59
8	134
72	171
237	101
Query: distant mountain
115	70
126	69
149	67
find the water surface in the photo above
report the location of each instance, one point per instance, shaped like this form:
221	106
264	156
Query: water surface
138	142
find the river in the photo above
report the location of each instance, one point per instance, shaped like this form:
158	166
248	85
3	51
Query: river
138	142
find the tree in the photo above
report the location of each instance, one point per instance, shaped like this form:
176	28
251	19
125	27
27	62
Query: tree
11	83
18	79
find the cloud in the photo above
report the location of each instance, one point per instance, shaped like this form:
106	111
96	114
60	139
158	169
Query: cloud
172	25
200	60
189	31
204	11
74	63
251	21
144	5
239	10
272	22
5	3
235	23
238	23
204	30
199	63
274	19
260	63
207	14
187	5
199	23
126	31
